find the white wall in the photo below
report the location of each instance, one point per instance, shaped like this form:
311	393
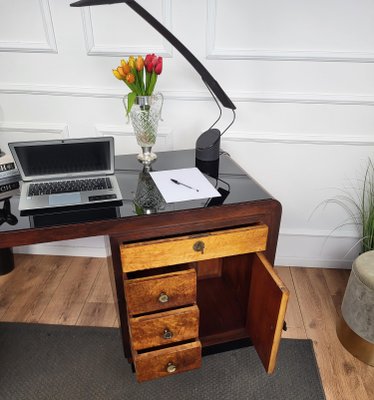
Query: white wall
300	72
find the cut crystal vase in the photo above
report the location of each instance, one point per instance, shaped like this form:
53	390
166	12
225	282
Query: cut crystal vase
144	115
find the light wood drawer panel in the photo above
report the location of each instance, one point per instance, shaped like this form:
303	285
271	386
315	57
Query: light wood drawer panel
169	361
164	328
172	251
159	292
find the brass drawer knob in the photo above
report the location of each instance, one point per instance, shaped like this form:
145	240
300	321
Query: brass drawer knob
199	246
163	297
171	368
167	334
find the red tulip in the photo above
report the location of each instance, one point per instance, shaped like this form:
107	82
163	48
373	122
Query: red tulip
154	60
158	66
148	62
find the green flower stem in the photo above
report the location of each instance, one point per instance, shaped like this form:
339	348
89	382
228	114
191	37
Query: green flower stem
147	82
138	89
131	86
152	83
141	80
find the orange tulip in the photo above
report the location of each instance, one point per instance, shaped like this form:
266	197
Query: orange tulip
121	72
130	78
139	63
125	67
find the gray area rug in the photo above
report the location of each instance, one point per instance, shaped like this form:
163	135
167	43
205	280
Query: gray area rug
40	362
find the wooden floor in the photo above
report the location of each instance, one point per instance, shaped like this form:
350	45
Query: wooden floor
73	290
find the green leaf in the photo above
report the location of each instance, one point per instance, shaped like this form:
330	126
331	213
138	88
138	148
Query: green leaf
130	101
152	83
136	84
147	82
141	81
138	209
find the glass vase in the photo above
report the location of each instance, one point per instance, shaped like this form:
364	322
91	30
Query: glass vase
144	116
148	199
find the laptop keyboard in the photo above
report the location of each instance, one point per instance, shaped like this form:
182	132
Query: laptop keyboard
78	185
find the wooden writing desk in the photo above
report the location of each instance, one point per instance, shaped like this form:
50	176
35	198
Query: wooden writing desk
189	276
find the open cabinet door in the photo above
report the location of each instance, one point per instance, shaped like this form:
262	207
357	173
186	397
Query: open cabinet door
266	310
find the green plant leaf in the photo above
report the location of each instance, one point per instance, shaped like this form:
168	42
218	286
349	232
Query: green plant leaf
130	101
359	206
139	210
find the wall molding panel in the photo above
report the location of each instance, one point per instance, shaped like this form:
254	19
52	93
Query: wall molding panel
297	138
49	46
96	49
238	97
30	128
164	135
215	52
305	98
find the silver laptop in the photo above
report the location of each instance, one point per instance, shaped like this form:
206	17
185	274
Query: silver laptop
68	172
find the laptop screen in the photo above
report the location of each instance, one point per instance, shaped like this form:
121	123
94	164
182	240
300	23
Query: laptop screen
63	158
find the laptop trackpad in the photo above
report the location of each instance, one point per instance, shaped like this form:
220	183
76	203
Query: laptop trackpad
64	199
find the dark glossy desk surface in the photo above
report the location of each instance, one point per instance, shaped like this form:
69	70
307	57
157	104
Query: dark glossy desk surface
134	185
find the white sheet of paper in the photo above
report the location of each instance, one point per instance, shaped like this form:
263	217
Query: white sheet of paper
200	187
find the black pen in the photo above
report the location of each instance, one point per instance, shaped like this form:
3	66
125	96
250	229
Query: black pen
183	184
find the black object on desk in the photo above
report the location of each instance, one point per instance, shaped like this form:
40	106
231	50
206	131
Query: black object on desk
6	255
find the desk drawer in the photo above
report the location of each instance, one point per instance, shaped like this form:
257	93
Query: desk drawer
164	328
169	361
185	249
159	292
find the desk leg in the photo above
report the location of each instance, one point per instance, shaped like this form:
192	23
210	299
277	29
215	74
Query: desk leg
6	261
116	274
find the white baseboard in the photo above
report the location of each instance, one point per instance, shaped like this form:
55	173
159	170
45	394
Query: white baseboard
314	248
311	262
87	247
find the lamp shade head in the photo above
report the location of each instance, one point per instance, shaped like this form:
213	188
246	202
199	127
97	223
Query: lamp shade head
208	145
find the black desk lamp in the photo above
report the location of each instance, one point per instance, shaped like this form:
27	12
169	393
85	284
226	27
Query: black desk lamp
208	143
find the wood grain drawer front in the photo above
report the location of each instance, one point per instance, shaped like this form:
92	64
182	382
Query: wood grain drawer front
172	251
159	292
169	361
164	328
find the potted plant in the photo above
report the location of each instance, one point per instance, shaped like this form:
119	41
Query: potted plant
359	205
355	325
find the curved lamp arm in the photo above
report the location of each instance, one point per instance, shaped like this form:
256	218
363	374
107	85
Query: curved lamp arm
196	64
